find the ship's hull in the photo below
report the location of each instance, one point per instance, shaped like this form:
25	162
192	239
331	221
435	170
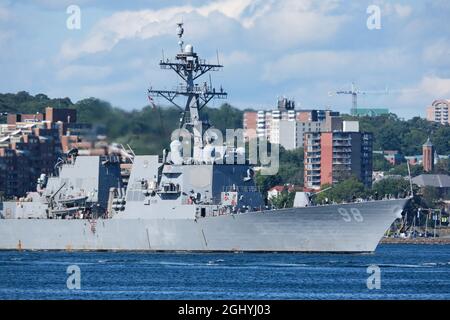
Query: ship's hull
356	227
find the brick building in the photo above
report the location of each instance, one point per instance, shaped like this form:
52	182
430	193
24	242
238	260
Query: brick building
428	156
331	157
30	145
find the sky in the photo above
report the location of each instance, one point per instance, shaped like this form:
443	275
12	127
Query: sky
300	49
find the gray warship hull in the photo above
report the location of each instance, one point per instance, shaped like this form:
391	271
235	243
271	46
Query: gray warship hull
353	227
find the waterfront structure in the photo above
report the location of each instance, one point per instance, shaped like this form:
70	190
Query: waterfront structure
439	112
331	157
428	156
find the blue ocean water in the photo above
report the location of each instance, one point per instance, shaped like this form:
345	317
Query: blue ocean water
407	272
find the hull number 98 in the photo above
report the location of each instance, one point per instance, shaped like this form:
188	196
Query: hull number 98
352	214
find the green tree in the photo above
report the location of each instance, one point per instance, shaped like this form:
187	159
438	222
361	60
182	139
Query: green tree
291	166
284	200
380	163
391	186
147	130
430	196
343	191
442	167
402	169
290	171
267	182
392	133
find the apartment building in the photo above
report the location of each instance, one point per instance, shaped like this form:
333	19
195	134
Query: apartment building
331	157
439	111
30	145
286	126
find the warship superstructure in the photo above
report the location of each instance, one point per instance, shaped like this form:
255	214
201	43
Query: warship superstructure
202	200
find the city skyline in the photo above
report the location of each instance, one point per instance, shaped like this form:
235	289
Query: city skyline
298	49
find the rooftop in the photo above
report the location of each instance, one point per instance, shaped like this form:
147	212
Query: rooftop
432	180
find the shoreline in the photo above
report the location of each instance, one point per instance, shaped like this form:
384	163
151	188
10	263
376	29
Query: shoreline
440	241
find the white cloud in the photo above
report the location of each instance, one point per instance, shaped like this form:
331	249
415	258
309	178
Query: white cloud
389	8
435	86
275	23
256	9
230	8
299	22
403	11
429	88
143	24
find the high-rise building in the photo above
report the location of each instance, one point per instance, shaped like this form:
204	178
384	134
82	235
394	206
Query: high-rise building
439	111
286	126
428	156
250	122
291	133
331	157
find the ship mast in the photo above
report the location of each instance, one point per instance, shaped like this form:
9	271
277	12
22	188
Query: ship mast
189	67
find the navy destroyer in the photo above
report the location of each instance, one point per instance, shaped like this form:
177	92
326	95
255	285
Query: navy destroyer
192	198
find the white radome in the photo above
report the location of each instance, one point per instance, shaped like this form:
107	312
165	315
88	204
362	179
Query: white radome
188	48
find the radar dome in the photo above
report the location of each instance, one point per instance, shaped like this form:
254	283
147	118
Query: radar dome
189	49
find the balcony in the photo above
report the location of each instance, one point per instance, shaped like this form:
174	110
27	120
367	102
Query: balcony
313	173
342	150
342	144
309	167
312	142
346	155
315	178
338	137
313	185
342	163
